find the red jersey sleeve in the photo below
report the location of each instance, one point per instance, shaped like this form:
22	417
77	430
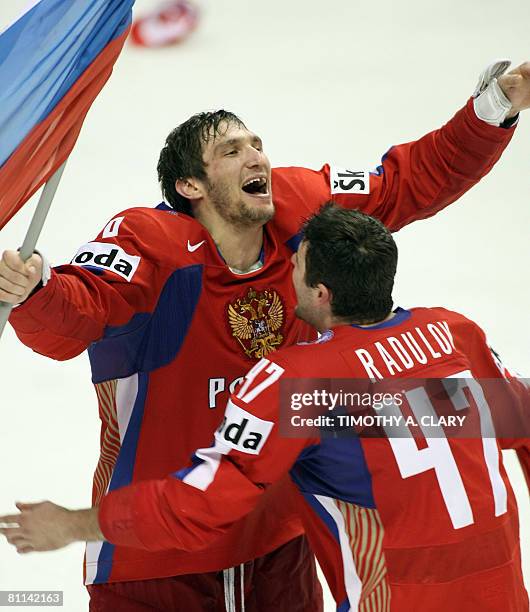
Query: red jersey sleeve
414	181
191	508
108	281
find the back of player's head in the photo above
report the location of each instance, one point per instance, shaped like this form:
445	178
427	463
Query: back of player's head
181	156
355	256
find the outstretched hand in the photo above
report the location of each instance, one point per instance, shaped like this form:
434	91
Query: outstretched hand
46	526
516	87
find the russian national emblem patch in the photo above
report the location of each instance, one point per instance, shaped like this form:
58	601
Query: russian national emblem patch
256	321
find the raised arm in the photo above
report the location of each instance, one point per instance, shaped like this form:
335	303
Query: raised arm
415	180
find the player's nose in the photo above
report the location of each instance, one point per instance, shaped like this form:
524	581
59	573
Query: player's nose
254	157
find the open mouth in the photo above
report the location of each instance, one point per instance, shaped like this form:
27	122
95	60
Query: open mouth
256	186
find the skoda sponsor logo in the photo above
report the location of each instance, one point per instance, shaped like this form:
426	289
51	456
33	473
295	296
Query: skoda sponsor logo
344	180
243	431
107	257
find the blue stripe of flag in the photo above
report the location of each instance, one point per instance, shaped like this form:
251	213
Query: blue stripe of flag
44	53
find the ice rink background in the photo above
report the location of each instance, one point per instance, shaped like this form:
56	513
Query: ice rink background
336	81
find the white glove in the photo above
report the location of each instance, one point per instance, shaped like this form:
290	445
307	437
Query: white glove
46	269
491	105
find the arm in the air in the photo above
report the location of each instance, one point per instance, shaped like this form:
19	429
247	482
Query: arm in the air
418	179
414	181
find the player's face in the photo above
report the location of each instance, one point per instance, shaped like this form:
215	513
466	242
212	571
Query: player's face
238	184
307	308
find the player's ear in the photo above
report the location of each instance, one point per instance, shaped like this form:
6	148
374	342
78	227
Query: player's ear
324	295
189	188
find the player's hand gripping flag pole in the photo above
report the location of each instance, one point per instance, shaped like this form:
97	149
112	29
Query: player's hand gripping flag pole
54	60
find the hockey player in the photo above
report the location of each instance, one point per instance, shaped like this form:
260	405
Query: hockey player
173	309
396	524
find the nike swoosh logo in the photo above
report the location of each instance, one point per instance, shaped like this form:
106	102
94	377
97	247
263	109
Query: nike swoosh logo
194	247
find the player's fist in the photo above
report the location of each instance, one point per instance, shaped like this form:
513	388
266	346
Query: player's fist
516	87
18	278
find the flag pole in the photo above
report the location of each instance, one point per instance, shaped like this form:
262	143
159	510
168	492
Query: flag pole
34	230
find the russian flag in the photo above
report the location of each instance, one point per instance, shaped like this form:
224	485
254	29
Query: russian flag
54	61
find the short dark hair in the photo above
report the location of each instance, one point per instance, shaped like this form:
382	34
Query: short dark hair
181	156
355	256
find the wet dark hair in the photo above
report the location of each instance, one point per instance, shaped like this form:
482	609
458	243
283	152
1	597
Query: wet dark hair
181	156
355	256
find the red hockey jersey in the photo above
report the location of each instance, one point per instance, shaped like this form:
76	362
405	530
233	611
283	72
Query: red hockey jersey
170	329
408	522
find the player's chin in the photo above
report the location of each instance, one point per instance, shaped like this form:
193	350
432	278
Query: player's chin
260	211
267	212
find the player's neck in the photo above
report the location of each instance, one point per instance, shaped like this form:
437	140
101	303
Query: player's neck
336	322
240	247
239	244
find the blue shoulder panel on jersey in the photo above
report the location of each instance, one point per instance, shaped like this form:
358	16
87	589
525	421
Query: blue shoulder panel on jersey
294	242
149	340
164	206
335	468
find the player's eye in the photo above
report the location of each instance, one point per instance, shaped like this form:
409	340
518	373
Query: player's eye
231	152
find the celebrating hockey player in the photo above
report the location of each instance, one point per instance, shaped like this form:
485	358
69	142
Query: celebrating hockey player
175	304
396	526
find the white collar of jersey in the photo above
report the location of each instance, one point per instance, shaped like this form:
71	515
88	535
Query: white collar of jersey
255	266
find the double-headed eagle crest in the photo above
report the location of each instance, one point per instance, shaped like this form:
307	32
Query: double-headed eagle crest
255	320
